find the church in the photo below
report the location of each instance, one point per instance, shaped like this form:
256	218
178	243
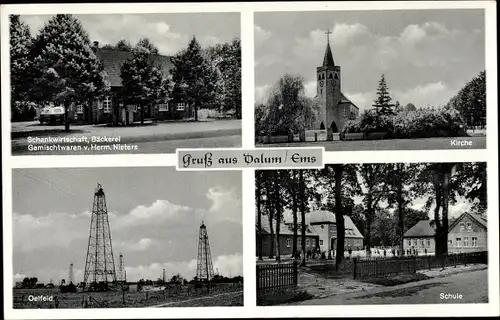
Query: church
335	109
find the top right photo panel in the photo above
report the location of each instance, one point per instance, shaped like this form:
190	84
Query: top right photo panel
371	80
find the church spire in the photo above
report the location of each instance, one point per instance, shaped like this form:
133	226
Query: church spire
328	59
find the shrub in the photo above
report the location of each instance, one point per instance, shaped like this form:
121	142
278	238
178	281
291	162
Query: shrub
421	123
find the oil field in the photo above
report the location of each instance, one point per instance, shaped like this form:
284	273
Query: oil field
105	283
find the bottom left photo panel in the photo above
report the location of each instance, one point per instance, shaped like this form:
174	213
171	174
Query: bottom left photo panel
126	237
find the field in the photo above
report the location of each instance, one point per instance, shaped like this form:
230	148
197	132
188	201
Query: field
183	296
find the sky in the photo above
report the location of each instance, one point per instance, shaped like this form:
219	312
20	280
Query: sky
170	32
427	56
154	216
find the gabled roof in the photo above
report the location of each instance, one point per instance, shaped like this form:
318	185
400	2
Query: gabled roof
284	227
479	219
423	228
114	59
319	217
344	101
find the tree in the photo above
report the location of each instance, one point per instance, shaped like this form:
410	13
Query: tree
302	195
470	101
66	68
122	45
400	181
279	212
471	184
194	77
410	107
259	176
398	107
373	178
340	185
383	103
143	82
437	183
146	45
21	61
177	279
226	58
288	109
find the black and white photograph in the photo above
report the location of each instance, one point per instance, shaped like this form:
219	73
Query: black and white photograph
371	80
124	83
363	234
126	238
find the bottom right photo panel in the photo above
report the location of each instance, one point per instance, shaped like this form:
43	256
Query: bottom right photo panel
372	233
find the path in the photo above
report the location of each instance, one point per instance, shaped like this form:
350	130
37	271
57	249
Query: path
472	286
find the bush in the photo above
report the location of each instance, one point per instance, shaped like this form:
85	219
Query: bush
421	123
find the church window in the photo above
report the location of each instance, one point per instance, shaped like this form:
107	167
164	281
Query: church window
323	76
330	76
107	104
336	76
319	76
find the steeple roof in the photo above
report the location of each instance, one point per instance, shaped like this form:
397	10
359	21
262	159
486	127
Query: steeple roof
328	59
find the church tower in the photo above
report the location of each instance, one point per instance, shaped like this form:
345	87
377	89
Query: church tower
328	92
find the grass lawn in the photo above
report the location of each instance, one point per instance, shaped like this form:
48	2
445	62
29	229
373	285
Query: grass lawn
397	279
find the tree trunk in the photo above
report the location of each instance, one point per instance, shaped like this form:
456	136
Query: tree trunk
259	216
271	217
302	187
444	233
294	211
142	114
369	213
400	208
66	116
277	200
339	218
196	110
437	220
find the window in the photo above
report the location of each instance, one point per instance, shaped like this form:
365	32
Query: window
319	76
79	108
163	107
288	242
422	242
313	242
459	242
320	242
462	226
181	106
107	105
409	242
450	242
414	242
330	76
336	76
322	226
307	242
469	226
466	241
428	244
474	241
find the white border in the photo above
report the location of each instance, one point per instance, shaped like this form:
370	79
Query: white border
250	310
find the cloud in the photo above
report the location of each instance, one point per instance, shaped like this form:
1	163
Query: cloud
261	35
342	33
362	100
156	213
225	264
435	94
261	93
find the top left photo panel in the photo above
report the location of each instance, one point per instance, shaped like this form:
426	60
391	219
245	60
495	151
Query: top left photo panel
84	84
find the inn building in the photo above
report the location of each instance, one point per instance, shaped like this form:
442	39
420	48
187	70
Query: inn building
113	109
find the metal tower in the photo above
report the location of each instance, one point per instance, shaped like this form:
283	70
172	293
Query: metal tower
121	270
71	273
99	263
205	269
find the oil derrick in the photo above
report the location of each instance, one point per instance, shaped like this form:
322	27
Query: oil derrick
204	269
71	273
99	263
121	270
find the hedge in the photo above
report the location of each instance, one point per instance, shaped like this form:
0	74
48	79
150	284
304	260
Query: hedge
421	123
